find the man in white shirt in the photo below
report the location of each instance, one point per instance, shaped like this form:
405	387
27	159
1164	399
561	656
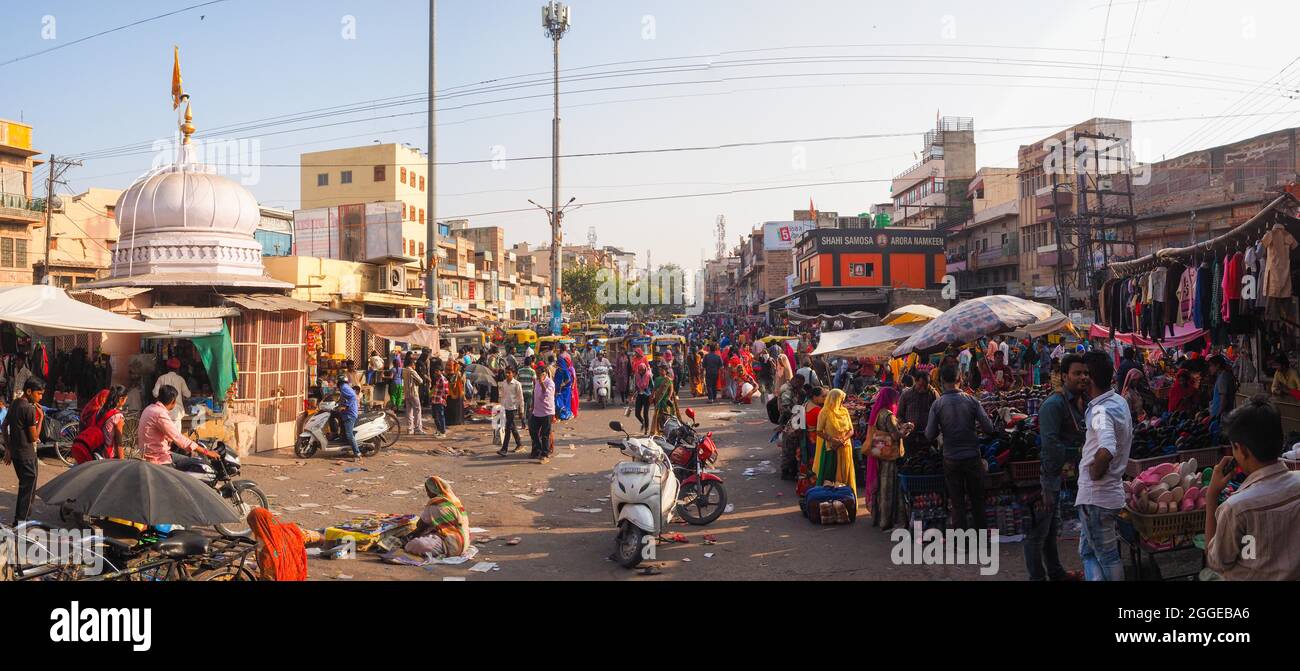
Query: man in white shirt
511	394
1106	446
171	377
1006	351
963	361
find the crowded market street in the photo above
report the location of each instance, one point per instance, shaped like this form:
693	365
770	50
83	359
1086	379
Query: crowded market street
764	538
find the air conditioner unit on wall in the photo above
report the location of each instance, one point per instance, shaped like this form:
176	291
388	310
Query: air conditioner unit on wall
392	278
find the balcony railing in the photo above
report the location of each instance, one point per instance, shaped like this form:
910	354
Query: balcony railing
1007	254
18	206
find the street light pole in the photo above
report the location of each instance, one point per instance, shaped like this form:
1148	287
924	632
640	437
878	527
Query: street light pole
555	19
431	201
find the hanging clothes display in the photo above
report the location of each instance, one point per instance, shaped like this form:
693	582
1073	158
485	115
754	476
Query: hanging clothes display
1277	244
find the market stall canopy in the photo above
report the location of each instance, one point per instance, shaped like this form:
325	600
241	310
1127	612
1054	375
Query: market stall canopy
871	341
45	311
1181	336
411	331
184	321
912	314
1057	322
974	319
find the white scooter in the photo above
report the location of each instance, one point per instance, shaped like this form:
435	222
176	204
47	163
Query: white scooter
601	383
370	431
643	493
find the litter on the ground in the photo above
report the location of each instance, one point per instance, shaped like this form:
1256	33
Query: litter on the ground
525	497
483	567
453	578
514	541
563	455
586	510
282	478
730	508
399	492
708	555
355	469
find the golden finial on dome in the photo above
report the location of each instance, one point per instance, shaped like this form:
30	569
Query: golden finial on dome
187	128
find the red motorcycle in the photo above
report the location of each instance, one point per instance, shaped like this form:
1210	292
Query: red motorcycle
702	498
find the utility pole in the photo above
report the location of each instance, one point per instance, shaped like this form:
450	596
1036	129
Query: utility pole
57	168
555	19
431	202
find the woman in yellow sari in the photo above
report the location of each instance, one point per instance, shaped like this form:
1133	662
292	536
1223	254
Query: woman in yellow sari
833	459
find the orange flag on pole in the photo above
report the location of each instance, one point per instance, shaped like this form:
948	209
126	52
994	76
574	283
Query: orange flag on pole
176	77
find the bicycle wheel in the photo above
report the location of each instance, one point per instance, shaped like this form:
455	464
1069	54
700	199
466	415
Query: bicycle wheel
63	442
130	448
390	437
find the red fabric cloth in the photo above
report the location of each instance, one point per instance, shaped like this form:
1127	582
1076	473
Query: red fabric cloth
1232	272
282	555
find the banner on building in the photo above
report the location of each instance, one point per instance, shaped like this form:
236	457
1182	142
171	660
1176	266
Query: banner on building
781	235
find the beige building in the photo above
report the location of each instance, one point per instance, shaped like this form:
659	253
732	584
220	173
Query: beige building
1047	189
84	231
931	193
370	174
19	212
992	234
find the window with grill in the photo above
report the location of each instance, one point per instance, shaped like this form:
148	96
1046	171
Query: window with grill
20	253
402	176
1216	161
421	182
7	252
345	177
381	173
323	179
1239	180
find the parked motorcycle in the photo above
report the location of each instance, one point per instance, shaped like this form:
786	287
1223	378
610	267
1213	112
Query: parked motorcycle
703	497
220	473
643	494
601	382
370	431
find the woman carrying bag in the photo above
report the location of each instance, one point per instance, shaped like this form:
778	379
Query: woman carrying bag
885	446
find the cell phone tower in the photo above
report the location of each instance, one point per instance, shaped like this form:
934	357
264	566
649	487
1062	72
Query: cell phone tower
722	237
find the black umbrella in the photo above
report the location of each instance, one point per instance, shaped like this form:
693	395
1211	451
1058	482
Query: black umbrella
138	491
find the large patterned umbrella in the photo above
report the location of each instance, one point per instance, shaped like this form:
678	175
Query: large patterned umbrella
974	319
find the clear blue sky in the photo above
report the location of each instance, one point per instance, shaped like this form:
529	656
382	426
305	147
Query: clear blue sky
250	59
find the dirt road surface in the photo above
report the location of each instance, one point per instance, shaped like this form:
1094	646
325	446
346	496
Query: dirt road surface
514	497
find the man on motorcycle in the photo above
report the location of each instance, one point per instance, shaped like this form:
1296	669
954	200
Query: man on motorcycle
346	411
158	434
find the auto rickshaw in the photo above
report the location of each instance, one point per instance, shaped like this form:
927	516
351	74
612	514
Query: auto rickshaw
675	343
552	343
520	339
642	342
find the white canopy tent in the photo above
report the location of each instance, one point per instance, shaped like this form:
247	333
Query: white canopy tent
873	341
410	331
46	311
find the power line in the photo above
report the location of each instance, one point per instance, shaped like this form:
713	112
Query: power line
1105	28
106	32
417	98
1124	63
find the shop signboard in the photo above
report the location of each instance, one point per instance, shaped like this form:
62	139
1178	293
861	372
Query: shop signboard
782	235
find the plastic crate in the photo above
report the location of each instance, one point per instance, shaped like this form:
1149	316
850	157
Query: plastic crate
1169	526
1025	471
922	484
1204	457
1136	466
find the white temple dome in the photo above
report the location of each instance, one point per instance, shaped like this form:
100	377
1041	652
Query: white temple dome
186	202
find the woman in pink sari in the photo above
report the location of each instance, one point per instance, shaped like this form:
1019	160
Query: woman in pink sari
886	399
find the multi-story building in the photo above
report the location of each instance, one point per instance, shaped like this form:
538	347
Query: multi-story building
882	214
932	193
1200	194
992	235
719	281
1049	179
275	232
83	233
824	219
19	212
380	173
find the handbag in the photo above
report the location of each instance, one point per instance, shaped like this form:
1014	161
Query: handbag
882	446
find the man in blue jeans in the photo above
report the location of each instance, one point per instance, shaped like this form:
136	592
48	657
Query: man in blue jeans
348	409
1109	427
1061	426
